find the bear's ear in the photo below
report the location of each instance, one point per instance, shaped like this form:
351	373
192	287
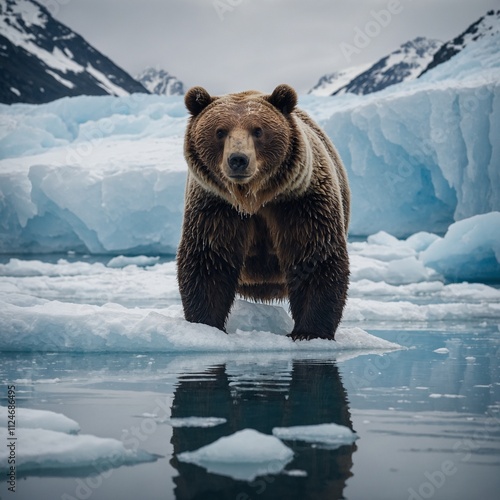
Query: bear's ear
284	98
197	99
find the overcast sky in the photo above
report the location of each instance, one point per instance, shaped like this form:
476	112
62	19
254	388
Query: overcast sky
233	45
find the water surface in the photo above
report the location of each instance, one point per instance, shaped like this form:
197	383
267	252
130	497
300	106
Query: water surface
428	422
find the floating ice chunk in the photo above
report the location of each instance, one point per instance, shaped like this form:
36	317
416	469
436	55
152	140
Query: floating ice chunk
295	473
332	435
470	250
39	449
42	419
204	422
139	260
243	455
196	421
448	396
442	350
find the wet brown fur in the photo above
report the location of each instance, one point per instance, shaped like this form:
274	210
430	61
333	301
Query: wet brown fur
281	232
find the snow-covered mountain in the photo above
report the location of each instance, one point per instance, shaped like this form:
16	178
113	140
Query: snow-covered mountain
43	60
408	62
333	82
160	82
487	25
404	64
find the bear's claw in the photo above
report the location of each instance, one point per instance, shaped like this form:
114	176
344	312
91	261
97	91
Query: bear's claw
310	335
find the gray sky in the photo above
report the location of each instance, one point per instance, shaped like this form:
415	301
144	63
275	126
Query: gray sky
233	45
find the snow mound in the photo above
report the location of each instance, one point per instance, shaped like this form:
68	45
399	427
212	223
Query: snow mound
42	419
333	435
64	327
244	455
470	250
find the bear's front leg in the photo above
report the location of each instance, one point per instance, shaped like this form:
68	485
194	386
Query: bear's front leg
313	254
209	261
317	290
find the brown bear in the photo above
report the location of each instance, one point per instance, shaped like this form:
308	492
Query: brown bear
266	211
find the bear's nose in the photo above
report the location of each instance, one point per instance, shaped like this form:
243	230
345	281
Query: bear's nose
238	162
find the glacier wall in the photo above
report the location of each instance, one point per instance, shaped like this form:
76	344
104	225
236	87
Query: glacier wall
422	159
92	174
107	174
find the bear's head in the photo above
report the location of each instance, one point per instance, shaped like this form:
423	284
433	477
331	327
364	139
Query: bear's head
238	146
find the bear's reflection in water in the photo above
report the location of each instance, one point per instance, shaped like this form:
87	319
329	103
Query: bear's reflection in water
311	394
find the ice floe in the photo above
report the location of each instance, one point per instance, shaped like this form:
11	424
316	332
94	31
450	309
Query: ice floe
244	455
46	442
331	435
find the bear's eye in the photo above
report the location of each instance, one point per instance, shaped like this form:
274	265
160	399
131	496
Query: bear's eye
220	133
257	132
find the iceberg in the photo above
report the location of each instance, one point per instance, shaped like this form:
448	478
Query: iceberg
244	455
106	175
469	251
423	154
92	174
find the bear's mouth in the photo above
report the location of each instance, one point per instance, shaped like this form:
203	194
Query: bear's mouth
240	178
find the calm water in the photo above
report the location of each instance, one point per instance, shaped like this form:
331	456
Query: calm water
428	423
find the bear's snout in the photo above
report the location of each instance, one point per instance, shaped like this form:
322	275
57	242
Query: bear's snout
238	163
